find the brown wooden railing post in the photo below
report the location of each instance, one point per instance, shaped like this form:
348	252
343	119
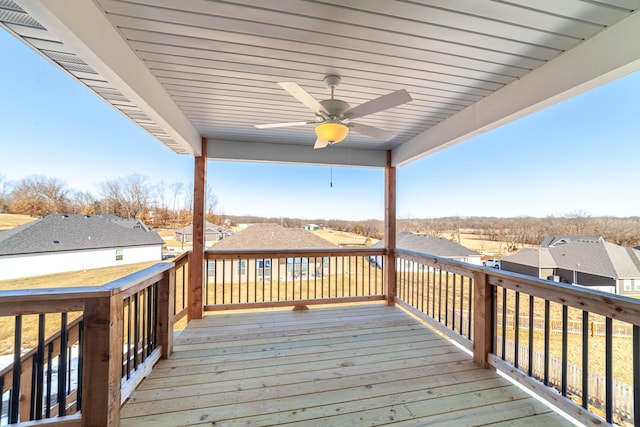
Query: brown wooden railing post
482	319
196	263
166	289
102	369
390	230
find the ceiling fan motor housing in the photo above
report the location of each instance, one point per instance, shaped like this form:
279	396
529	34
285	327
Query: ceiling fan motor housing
335	107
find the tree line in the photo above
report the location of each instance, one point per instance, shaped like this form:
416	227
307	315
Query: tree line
158	205
163	205
515	232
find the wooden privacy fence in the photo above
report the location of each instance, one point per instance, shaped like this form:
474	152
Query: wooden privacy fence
574	327
622	393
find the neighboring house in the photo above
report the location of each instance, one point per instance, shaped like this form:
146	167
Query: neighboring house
590	262
311	227
60	243
273	236
213	233
429	245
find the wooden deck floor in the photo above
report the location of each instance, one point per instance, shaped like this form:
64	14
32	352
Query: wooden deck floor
346	366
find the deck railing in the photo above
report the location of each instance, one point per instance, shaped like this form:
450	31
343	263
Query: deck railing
255	278
93	345
78	353
468	303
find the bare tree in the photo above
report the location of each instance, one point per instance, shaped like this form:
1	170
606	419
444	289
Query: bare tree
136	193
38	195
127	197
82	202
434	227
5	193
578	221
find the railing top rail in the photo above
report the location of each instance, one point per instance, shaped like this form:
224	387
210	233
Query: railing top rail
617	307
453	266
290	253
181	259
139	279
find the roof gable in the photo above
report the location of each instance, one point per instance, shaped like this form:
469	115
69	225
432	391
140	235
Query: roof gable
55	233
273	236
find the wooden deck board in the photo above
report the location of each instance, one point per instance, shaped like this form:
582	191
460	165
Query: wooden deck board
347	365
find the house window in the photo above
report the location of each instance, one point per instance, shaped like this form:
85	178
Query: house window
636	284
242	267
211	268
627	284
263	267
297	267
119	254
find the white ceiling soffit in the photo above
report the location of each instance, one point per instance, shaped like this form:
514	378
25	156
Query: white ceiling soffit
196	68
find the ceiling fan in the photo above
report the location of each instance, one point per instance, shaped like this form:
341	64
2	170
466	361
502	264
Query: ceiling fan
333	116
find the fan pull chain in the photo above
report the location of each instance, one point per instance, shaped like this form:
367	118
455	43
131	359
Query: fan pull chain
331	177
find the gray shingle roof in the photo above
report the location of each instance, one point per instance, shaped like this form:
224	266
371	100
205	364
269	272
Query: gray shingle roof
532	257
58	232
587	255
427	244
273	236
208	226
601	258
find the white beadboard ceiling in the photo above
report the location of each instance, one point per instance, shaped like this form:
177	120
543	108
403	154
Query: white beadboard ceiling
188	69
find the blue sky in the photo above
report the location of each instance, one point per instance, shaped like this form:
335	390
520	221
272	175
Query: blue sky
579	155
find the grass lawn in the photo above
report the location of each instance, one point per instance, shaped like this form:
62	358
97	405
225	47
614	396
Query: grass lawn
343	238
94	277
9	221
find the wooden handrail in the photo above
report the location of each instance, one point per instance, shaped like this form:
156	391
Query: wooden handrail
291	253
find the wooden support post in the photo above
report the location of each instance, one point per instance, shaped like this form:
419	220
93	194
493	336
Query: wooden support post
390	230
482	319
102	363
166	290
196	263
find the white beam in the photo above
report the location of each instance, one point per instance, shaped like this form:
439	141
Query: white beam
611	54
83	27
297	154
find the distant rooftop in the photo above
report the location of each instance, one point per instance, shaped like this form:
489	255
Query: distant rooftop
427	244
70	232
273	236
588	254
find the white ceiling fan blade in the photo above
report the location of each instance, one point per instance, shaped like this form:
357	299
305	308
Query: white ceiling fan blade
282	125
305	97
371	131
320	143
384	102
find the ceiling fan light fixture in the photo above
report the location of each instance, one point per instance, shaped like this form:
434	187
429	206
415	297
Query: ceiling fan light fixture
332	131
